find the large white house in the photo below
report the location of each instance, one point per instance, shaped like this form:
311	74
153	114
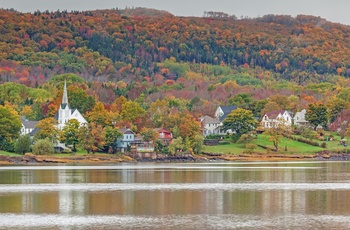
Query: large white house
278	117
210	125
299	118
28	127
65	113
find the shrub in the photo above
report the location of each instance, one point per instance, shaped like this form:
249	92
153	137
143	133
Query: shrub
197	144
67	150
321	132
7	145
235	137
165	150
309	134
303	140
43	147
22	145
250	147
214	136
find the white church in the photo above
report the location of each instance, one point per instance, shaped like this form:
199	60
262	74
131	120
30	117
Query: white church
65	113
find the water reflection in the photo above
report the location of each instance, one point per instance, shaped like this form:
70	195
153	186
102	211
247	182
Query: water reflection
168	196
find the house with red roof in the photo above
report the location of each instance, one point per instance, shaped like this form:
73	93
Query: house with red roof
164	135
278	117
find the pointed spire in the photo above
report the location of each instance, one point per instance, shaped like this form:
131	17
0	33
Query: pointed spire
65	97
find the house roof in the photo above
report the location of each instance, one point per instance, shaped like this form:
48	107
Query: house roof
300	116
275	113
126	131
209	120
161	130
32	133
29	124
227	110
290	113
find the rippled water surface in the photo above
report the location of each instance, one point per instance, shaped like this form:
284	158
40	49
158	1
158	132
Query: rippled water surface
293	195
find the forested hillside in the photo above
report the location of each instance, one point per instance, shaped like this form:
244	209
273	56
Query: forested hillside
178	64
118	43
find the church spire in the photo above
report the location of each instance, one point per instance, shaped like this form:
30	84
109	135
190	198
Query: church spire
65	97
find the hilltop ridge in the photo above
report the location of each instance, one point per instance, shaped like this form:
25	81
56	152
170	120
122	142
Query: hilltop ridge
116	44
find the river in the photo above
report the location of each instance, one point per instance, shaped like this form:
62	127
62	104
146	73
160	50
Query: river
283	195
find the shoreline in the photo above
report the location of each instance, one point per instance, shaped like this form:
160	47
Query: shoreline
30	159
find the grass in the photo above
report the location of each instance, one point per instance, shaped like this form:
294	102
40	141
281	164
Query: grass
333	145
230	148
79	152
9	154
293	147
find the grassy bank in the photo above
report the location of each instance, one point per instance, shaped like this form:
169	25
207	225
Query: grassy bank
79	152
9	154
287	146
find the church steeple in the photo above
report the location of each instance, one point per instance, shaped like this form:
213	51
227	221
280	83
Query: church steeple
65	97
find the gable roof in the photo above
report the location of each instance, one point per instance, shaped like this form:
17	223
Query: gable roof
161	130
227	110
209	120
29	124
300	116
32	133
126	131
274	114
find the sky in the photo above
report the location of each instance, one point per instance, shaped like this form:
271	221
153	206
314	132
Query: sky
332	10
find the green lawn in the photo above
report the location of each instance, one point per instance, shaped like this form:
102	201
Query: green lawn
80	152
293	147
231	148
9	154
334	145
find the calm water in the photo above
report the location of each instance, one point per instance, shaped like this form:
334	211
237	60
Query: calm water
300	195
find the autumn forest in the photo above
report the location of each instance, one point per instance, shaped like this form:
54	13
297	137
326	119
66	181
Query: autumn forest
148	68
